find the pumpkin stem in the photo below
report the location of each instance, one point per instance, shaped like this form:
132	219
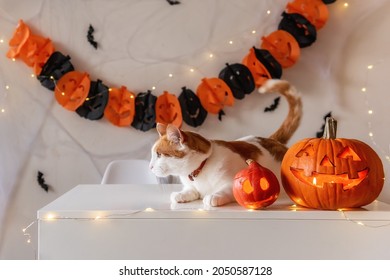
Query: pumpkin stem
249	161
330	128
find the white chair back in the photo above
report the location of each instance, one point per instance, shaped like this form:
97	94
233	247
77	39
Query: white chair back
132	171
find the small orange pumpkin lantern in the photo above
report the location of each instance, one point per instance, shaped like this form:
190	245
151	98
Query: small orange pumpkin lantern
214	94
120	108
72	89
332	173
256	186
314	11
283	46
168	110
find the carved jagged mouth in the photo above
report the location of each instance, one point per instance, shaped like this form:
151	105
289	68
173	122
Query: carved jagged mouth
321	180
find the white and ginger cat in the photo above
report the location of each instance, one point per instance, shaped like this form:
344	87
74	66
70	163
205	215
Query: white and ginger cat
207	167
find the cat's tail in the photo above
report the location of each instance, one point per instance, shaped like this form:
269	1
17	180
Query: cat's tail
292	121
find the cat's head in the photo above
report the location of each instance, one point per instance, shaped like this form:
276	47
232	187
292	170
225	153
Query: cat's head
177	152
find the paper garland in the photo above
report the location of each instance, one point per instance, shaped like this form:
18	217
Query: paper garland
92	99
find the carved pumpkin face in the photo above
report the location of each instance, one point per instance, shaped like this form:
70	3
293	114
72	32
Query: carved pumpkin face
72	89
314	10
120	107
145	113
262	65
283	46
332	173
255	187
239	78
192	111
214	94
168	110
95	103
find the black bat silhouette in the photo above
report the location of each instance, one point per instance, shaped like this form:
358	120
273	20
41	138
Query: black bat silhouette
273	106
171	2
90	37
41	181
320	133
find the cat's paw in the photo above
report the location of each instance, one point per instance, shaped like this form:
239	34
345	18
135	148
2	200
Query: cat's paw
216	199
184	196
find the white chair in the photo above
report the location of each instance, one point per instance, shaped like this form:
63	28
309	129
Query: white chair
132	171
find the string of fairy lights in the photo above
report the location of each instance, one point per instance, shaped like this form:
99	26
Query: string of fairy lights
6	91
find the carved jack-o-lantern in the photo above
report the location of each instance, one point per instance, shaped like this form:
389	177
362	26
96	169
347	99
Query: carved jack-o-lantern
72	89
262	65
255	187
332	173
120	107
168	110
214	94
283	46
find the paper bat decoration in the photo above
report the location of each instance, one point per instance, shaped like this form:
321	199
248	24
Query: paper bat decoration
91	38
273	106
41	181
172	2
320	133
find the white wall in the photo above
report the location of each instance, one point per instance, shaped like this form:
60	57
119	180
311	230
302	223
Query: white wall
141	42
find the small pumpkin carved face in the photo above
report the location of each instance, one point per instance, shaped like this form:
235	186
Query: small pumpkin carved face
120	107
314	10
332	173
168	110
262	65
72	89
255	187
283	46
214	94
192	110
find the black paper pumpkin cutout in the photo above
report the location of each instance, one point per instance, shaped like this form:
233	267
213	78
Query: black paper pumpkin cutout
55	67
193	112
95	103
239	78
145	113
328	1
299	27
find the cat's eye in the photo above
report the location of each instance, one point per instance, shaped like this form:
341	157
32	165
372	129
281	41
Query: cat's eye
158	154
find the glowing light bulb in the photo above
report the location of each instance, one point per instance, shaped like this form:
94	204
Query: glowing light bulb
364	89
211	55
192	70
268	12
1	41
63	93
149	209
153	87
2	110
253	31
50	217
7	87
370	112
13	59
346	5
369	67
230	42
110	89
32	76
170	75
370	134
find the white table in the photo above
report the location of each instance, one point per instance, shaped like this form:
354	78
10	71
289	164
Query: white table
139	222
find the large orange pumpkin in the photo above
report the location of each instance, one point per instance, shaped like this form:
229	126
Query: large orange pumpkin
332	173
255	187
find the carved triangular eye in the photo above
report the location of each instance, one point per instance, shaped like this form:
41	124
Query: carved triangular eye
306	151
326	162
348	152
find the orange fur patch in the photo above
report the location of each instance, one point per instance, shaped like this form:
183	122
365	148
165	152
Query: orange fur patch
244	149
168	148
275	148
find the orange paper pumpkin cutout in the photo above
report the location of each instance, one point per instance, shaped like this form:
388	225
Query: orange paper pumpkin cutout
120	107
255	187
18	40
72	89
314	11
214	94
168	110
34	50
258	70
283	47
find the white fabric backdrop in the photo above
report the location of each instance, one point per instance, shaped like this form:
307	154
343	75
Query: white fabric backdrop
140	43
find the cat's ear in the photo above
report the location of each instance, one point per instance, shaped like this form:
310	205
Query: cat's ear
174	134
161	129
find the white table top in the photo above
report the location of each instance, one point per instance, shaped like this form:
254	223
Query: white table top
152	201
